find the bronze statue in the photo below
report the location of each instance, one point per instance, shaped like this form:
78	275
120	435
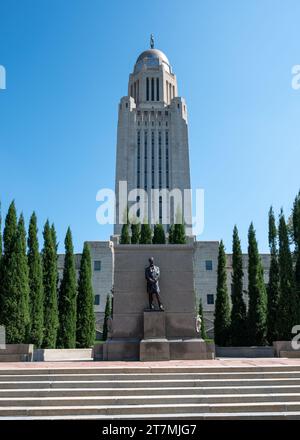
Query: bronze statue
152	274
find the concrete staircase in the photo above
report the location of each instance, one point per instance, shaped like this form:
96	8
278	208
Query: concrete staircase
168	392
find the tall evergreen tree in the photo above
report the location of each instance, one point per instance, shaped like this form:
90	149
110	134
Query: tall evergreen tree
146	234
68	298
107	314
1	250
135	233
288	313
159	234
15	287
85	324
9	236
238	328
273	289
200	313
36	295
179	236
23	276
296	240
171	234
222	308
50	289
1	254
125	237
257	312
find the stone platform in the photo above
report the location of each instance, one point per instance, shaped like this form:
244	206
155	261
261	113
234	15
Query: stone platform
135	334
179	390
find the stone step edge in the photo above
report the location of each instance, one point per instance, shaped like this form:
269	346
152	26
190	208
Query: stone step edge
165	416
128	370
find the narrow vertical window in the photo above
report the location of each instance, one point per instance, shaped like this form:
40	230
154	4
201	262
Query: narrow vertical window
157	89
167	159
147	89
160	209
152	89
138	159
167	92
159	160
152	159
145	160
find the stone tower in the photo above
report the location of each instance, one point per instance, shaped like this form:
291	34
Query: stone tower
152	144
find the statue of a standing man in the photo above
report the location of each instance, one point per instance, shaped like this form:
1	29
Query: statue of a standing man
152	274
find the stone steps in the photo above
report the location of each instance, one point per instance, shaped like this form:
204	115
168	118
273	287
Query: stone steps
33	370
175	392
170	391
149	383
149	409
150	376
148	400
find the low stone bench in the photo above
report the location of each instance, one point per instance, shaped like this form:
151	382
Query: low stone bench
63	355
285	349
17	353
245	352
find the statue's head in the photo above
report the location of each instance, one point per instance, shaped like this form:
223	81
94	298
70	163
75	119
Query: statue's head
151	261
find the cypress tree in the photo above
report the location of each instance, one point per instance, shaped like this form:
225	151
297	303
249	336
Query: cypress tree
9	236
288	314
85	332
23	276
200	312
50	289
68	298
135	233
257	311
179	236
1	250
36	295
107	314
222	308
296	240
171	234
273	289
159	235
125	238
15	287
238	329
1	254
146	234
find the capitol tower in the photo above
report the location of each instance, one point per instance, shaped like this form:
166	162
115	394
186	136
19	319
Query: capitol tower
152	144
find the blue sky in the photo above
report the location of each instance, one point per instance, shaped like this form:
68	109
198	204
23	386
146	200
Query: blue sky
67	64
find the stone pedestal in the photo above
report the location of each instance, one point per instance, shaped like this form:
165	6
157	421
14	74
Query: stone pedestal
154	346
154	335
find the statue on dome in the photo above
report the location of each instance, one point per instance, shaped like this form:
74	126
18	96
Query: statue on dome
151	41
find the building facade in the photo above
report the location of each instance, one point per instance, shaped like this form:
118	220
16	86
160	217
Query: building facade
152	145
153	153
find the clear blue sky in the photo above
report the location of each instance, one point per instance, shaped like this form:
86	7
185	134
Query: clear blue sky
67	64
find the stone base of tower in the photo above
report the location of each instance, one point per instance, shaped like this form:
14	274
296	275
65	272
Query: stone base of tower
138	333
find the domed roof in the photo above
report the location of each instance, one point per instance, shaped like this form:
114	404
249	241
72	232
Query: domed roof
152	58
154	54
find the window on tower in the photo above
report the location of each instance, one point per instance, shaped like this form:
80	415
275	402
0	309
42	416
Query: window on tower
152	89
159	160
147	89
157	89
145	159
